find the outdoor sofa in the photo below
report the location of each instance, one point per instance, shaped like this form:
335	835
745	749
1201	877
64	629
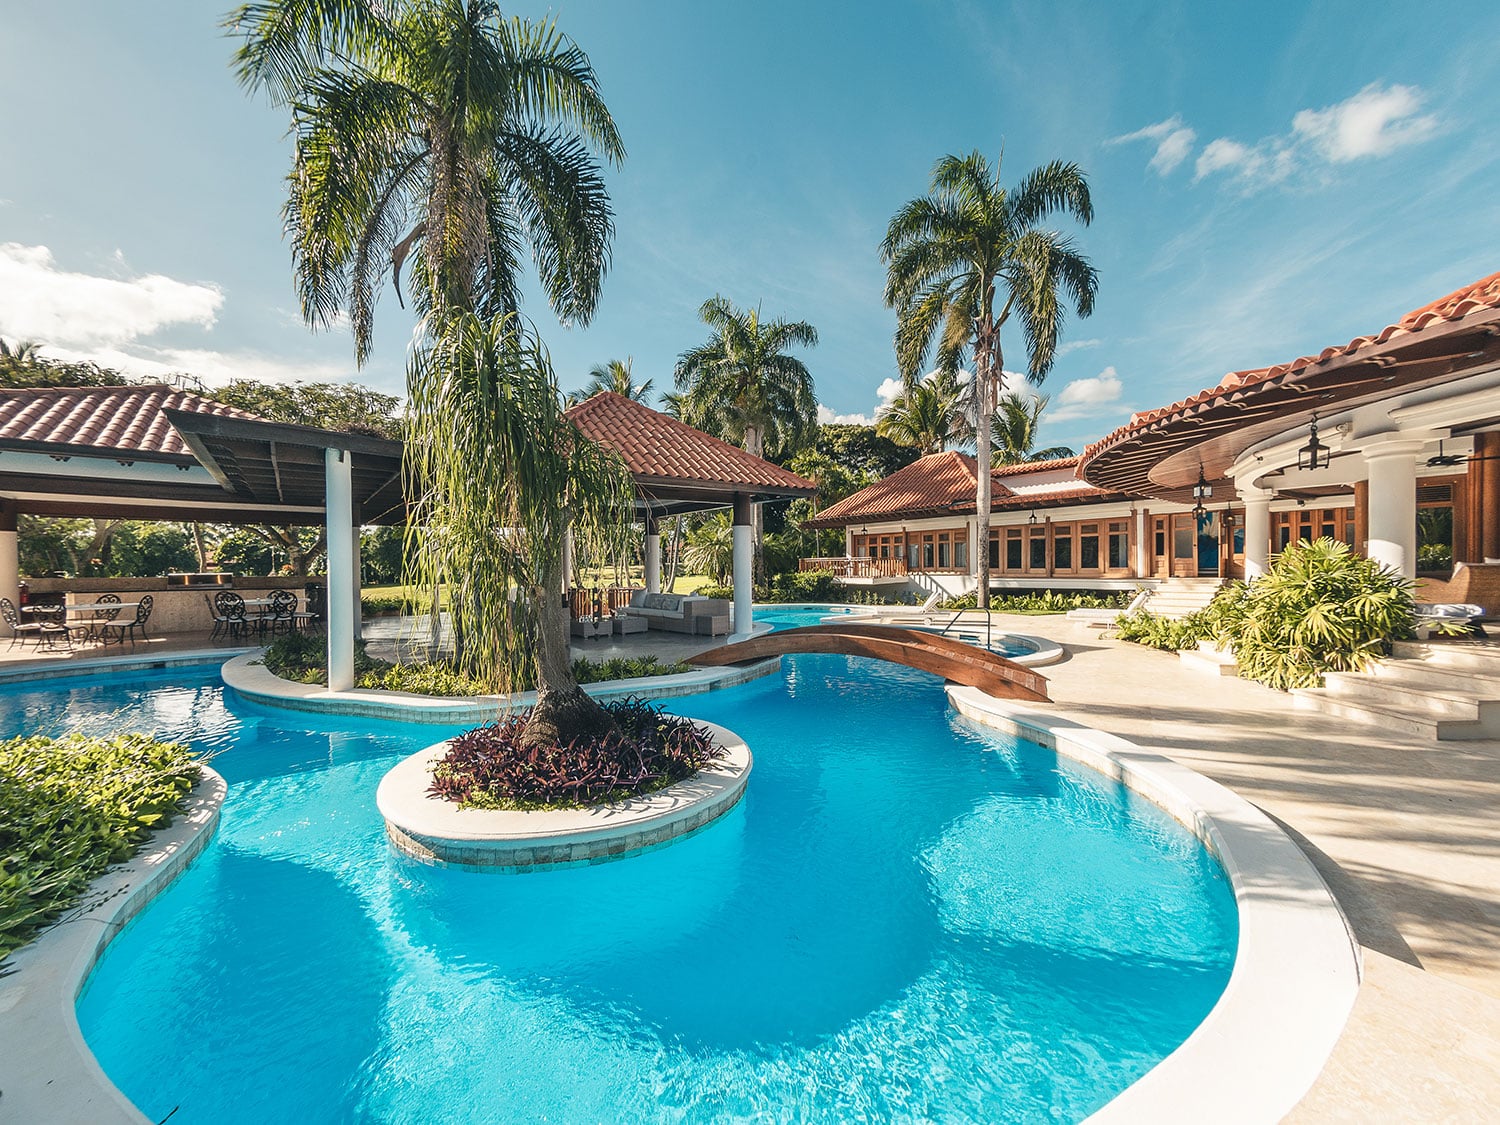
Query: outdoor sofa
680	613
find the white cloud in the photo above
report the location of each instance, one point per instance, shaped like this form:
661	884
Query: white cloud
78	317
40	301
1174	141
1076	346
887	391
1373	122
828	417
1083	398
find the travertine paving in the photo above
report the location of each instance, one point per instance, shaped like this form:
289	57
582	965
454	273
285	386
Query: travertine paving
1406	833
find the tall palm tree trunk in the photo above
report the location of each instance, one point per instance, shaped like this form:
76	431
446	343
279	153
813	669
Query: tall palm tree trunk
755	443
985	350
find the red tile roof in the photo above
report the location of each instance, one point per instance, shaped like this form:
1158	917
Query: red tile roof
1036	466
1483	295
933	485
664	449
124	419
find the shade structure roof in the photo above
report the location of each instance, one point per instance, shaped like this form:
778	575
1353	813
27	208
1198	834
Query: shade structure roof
677	468
154	452
1160	452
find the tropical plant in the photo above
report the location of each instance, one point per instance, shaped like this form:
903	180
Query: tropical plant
709	548
20	351
617	378
742	386
71	807
1320	608
496	767
437	130
504	482
925	415
951	254
1013	431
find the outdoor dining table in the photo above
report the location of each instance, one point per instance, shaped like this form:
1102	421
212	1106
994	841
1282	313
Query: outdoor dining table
95	612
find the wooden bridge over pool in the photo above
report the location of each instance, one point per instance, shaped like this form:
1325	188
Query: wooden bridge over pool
928	652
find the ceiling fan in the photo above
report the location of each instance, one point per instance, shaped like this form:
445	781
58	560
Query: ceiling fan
1448	460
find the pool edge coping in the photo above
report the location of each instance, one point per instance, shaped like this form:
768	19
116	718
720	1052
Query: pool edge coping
251	679
414	820
47	1071
1297	968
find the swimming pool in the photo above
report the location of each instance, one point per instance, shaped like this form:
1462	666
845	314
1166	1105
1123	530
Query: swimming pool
905	917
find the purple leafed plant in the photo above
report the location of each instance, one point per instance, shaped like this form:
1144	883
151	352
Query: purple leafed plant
486	768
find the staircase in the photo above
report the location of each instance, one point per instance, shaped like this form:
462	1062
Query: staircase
1179	597
1444	691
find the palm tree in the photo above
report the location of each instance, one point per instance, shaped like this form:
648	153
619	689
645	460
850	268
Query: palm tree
952	253
22	351
924	415
1014	428
742	386
709	548
440	130
617	378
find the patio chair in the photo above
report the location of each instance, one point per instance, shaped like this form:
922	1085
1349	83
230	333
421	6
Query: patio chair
19	630
282	618
221	623
89	630
127	628
231	607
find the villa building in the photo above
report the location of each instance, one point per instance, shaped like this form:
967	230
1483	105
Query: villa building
1390	443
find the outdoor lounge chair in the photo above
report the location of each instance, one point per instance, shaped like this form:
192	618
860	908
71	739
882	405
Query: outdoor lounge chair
1431	615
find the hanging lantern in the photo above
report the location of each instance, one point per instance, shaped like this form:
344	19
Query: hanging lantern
1202	491
1314	455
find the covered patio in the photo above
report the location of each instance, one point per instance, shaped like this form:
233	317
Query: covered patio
156	453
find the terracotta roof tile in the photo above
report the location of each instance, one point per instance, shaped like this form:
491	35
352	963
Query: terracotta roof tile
932	485
1481	296
1036	466
654	445
128	419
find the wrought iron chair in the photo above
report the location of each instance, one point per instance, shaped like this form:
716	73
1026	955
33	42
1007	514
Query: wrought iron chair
126	629
19	630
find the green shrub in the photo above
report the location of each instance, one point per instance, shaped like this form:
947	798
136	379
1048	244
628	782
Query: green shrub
384	603
1043	601
1320	608
714	590
803	586
303	658
70	807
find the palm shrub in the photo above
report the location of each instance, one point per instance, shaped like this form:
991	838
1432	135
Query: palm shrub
1321	608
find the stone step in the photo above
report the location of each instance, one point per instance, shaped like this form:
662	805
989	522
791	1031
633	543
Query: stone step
1483	683
1389	718
1206	658
1444	703
1478	658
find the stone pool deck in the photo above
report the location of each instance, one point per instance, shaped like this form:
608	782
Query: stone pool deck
1405	832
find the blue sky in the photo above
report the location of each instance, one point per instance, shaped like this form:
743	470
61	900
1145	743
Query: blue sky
1268	180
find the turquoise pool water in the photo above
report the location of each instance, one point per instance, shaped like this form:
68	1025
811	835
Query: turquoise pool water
905	918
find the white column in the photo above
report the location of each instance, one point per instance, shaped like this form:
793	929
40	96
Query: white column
1257	531
359	609
653	557
1393	504
343	583
10	565
744	593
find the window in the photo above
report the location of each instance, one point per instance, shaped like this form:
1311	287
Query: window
944	555
1013	549
928	546
1088	546
1119	545
1037	559
1062	548
1434	527
961	552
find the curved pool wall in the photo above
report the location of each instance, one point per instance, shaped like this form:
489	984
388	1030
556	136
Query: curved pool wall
1249	978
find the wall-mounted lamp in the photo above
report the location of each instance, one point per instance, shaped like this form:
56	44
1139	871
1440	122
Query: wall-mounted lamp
1032	517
